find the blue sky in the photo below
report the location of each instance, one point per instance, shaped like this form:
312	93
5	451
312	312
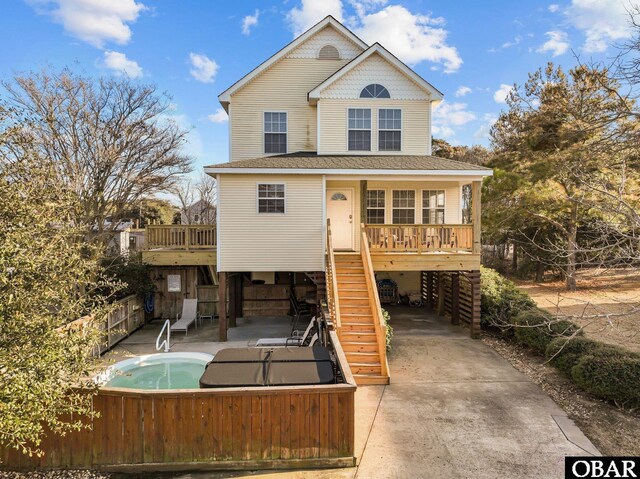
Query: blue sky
472	51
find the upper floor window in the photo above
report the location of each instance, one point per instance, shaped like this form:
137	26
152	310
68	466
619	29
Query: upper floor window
374	91
329	52
433	207
389	129
359	129
375	207
271	198
275	132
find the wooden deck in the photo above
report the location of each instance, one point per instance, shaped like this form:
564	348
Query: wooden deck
422	247
180	245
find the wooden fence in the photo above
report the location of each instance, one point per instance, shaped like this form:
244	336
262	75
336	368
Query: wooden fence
230	428
124	319
454	294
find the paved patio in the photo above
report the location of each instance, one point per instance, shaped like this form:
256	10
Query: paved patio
454	408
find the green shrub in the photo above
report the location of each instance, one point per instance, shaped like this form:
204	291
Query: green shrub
565	353
501	301
611	374
389	329
536	328
131	273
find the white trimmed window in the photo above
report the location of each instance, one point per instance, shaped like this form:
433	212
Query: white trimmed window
275	132
404	207
375	207
271	198
389	129
359	129
433	207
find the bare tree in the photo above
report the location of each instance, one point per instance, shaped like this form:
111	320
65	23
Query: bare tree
111	142
197	200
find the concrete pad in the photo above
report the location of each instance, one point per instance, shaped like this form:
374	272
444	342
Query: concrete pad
454	409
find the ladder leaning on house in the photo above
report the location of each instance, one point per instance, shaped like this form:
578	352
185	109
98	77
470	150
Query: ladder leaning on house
355	307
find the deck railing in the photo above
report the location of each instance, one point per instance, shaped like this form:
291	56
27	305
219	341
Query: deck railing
374	301
332	281
180	237
419	238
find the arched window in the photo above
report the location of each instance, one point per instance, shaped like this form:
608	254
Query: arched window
329	52
339	197
374	91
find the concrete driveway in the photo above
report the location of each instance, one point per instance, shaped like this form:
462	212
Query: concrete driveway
454	409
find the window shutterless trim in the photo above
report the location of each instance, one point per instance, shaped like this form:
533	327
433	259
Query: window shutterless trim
286	133
435	207
380	129
370	129
258	198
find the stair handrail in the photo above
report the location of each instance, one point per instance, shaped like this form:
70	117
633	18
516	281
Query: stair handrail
374	300
167	341
332	283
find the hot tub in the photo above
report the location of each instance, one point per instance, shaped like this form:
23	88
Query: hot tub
157	371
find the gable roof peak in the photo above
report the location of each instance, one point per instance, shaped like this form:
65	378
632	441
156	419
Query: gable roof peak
329	20
435	94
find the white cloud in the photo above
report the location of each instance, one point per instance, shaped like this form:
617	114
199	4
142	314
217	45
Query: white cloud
500	95
250	21
602	21
554	7
463	90
311	12
557	43
93	21
119	63
488	120
414	38
220	116
447	116
203	68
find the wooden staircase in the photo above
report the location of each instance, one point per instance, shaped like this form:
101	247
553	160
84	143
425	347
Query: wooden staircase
358	336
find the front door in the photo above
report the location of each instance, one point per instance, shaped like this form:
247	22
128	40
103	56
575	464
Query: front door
340	212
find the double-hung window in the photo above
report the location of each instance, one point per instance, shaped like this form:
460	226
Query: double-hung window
275	132
433	207
359	129
271	198
375	207
404	207
389	129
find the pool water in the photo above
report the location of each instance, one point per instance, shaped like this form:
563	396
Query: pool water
159	371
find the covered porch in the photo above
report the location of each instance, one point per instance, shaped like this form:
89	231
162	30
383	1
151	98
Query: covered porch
417	224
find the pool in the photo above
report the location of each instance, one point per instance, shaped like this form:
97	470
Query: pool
157	371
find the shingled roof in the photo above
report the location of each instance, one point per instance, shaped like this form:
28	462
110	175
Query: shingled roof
314	162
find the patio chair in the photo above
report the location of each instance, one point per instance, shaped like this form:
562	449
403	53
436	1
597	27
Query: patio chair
187	317
296	339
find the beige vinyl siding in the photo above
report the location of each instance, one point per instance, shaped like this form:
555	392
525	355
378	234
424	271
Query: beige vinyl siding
416	127
252	241
283	87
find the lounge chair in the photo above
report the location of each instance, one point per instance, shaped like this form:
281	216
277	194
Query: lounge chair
296	339
188	316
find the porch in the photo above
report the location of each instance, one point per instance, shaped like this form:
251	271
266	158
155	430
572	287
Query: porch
409	225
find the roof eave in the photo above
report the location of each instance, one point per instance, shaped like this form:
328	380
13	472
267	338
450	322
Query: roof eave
345	171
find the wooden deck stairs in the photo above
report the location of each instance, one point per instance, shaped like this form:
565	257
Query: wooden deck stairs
359	334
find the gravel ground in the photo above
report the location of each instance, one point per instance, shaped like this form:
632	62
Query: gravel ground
611	430
55	475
